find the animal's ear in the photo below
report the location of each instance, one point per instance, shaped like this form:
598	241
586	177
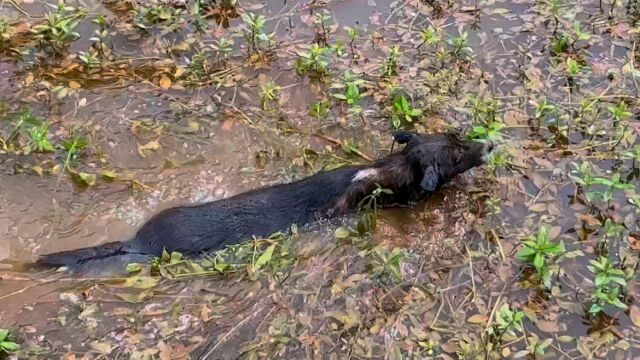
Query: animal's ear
403	137
429	181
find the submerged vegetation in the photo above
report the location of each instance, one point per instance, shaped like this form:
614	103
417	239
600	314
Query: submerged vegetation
110	108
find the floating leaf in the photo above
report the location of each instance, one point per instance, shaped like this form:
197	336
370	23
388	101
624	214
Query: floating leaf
150	146
134	267
478	319
133	298
341	233
634	315
165	82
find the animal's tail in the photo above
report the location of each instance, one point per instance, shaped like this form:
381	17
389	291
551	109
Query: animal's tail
72	258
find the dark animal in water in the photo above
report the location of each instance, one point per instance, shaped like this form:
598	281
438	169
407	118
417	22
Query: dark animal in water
425	163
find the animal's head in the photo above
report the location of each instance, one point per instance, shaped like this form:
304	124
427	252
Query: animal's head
436	158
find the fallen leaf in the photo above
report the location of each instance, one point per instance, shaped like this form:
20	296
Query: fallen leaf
133	298
102	347
548	326
478	319
634	242
165	82
205	312
634	315
150	146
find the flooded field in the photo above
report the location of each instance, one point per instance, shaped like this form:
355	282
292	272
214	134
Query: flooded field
111	111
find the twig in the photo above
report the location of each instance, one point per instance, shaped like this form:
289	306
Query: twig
20	10
473	280
233	329
338	142
496	239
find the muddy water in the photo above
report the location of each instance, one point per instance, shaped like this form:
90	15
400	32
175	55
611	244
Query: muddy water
205	151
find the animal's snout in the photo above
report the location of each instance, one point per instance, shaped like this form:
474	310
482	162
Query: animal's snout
488	147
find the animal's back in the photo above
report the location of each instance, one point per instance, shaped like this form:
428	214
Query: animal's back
211	226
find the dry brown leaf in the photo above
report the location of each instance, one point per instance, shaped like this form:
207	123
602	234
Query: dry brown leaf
165	350
634	242
634	315
150	146
548	326
165	82
74	85
478	319
205	312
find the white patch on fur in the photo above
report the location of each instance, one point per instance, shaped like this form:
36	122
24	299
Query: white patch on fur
365	174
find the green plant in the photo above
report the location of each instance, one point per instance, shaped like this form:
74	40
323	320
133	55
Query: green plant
460	43
619	112
25	120
611	185
6	345
89	59
6	32
163	15
255	34
338	48
73	147
268	93
315	60
353	34
544	108
492	131
58	27
319	110
403	112
321	22
390	67
224	47
483	111
100	35
535	348
607	285
39	138
506	321
197	68
559	44
537	251
352	95
573	70
387	263
578	33
498	159
428	36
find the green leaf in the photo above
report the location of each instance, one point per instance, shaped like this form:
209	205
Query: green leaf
141	282
538	261
4	333
619	304
595	309
9	346
89	179
265	257
175	257
134	267
341	233
618	280
221	267
525	253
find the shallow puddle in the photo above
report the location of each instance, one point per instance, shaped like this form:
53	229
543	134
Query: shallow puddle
173	115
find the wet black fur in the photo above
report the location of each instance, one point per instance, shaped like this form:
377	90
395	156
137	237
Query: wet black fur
425	163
